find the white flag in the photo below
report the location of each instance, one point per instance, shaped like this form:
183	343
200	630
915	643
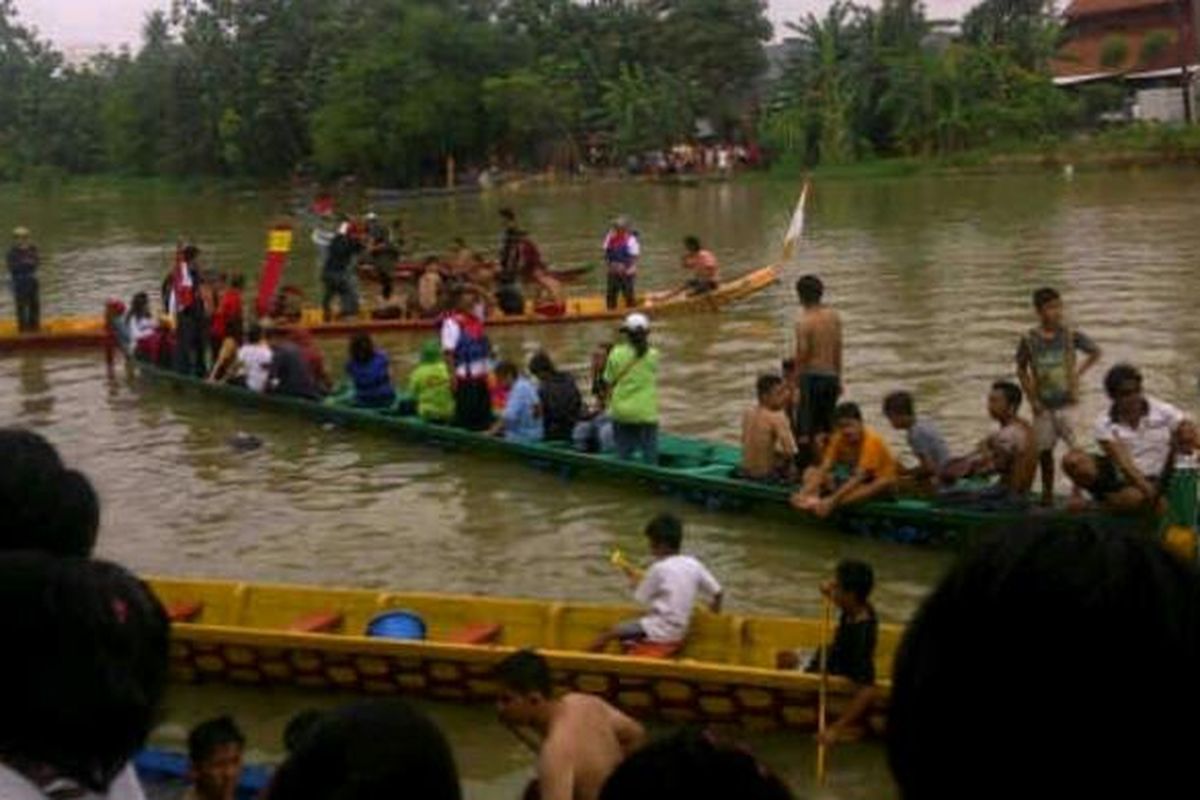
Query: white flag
796	229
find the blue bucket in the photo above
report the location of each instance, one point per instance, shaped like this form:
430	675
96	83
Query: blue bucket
396	625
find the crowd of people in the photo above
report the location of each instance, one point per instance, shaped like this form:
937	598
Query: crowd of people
83	685
801	431
686	158
516	281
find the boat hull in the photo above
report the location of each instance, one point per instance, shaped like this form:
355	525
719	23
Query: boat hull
725	674
696	470
83	332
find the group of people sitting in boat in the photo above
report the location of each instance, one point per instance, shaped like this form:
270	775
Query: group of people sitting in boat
801	432
427	290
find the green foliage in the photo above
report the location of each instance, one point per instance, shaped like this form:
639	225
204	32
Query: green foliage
386	89
866	83
1114	50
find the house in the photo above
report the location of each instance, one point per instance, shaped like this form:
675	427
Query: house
1150	46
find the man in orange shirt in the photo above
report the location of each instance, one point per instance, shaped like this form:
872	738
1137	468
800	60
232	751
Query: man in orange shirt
857	466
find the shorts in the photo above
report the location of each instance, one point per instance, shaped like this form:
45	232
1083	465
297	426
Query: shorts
630	630
1109	479
816	404
698	286
1050	426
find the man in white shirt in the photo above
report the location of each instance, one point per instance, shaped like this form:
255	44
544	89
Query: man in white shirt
1138	436
668	590
254	360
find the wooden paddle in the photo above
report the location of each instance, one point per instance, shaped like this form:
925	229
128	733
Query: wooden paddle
823	696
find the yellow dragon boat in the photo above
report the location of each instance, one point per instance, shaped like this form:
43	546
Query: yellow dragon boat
316	638
70	332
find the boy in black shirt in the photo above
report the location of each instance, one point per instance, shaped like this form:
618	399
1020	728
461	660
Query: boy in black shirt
852	654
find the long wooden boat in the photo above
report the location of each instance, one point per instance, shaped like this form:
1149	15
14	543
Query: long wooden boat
69	332
315	638
698	470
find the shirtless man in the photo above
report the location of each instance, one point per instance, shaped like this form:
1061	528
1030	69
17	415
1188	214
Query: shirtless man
818	367
583	738
1010	453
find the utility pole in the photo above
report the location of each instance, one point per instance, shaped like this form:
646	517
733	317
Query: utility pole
1188	56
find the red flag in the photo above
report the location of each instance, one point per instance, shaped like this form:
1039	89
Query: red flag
279	244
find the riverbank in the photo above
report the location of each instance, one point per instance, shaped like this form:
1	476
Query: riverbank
1132	147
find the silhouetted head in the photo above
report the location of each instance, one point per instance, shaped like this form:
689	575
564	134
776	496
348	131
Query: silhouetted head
1043	665
691	764
86	666
810	290
46	506
366	751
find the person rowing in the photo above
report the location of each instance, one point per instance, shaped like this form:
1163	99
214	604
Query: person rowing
704	269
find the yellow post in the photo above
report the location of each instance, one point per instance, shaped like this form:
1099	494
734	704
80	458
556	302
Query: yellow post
823	696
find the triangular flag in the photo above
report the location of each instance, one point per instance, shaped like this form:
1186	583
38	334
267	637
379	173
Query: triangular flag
796	229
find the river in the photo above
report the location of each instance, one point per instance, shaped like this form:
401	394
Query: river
933	276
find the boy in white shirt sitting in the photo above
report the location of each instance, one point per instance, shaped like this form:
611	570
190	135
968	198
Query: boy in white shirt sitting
668	590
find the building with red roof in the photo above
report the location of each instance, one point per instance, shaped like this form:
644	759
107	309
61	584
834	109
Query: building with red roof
1151	45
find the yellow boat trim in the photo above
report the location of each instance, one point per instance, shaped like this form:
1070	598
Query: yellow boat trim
725	674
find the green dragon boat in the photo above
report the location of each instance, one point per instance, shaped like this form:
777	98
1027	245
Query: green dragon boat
697	470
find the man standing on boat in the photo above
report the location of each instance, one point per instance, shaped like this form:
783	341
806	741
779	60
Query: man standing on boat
583	738
337	275
622	249
508	290
23	263
187	309
818	367
466	350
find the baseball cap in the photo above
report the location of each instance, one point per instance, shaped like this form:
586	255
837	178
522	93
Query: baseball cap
636	322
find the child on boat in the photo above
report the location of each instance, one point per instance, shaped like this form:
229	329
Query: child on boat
254	360
768	446
668	590
1046	366
927	445
594	431
857	467
429	385
852	653
521	419
215	749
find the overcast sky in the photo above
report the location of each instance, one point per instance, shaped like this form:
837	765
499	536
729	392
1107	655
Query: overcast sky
71	23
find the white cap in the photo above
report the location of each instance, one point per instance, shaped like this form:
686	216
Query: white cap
344	228
372	215
636	322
